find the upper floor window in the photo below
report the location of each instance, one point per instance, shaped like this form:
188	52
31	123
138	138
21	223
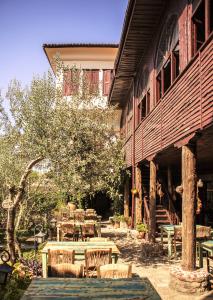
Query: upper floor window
91	81
167	58
202	23
143	107
71	82
107	74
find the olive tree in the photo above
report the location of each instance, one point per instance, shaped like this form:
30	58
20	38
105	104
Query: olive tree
74	134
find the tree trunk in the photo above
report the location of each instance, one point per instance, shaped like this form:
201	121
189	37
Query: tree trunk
138	199
17	197
152	202
11	233
189	182
126	198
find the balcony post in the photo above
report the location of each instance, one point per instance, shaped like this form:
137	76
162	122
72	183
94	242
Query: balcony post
126	198
189	182
138	199
152	201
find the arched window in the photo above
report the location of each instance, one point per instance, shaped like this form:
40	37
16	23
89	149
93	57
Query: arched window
168	39
167	56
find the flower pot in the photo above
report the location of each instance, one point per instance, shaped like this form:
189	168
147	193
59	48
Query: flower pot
117	224
141	235
123	224
72	206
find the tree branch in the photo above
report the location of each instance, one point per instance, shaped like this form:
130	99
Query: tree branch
23	179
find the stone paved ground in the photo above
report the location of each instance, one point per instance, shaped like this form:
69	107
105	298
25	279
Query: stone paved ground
155	268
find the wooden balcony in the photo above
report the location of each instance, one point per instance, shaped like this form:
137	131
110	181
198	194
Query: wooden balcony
186	107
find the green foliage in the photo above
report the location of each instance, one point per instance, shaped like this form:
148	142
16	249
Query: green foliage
76	136
141	227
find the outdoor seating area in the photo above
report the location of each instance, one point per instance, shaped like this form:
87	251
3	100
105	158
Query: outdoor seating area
77	224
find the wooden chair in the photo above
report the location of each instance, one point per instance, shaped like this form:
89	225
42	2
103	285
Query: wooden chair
65	214
202	233
79	216
209	259
69	230
177	237
95	258
115	271
87	231
57	258
98	239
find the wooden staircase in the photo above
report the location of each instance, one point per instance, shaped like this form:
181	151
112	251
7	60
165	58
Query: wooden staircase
162	216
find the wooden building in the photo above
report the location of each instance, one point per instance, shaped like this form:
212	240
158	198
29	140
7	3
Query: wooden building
163	85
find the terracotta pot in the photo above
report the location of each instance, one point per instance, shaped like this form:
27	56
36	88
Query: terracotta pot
141	235
72	206
117	225
123	224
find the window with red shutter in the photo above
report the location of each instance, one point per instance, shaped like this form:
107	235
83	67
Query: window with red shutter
106	82
91	78
71	82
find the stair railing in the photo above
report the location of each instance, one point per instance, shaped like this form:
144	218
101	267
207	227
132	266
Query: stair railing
169	205
146	210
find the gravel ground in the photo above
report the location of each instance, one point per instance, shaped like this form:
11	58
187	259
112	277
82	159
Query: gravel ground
148	262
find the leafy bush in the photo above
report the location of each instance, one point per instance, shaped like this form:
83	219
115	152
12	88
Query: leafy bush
141	227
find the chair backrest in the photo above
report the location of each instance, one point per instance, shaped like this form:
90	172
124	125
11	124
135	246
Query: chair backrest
87	230
115	271
177	233
203	232
79	216
97	257
68	228
67	270
91	217
98	239
56	257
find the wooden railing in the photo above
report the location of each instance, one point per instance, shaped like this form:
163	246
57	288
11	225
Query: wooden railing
184	109
169	205
146	211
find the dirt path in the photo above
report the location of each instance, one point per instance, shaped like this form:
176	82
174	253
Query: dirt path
145	264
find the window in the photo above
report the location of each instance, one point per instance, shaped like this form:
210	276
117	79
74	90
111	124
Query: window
167	75
106	81
175	62
158	87
148	102
71	82
167	58
143	107
91	80
201	23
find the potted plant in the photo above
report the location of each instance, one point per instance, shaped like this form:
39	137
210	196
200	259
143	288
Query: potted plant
123	221
142	230
116	219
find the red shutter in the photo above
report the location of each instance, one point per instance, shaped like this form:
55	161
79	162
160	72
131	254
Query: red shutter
71	82
106	82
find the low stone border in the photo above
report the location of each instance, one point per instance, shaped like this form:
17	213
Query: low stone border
195	282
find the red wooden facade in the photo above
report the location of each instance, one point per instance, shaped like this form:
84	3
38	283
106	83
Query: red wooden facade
163	84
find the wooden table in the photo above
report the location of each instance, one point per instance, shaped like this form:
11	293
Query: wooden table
90	288
78	225
79	248
205	246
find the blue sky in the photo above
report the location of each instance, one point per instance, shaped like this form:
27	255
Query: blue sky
27	24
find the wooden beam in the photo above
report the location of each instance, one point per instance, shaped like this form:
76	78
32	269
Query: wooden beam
152	201
138	199
189	182
126	198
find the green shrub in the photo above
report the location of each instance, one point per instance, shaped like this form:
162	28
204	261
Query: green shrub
141	227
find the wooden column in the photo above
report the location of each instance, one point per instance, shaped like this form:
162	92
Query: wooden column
189	182
138	198
126	198
152	201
